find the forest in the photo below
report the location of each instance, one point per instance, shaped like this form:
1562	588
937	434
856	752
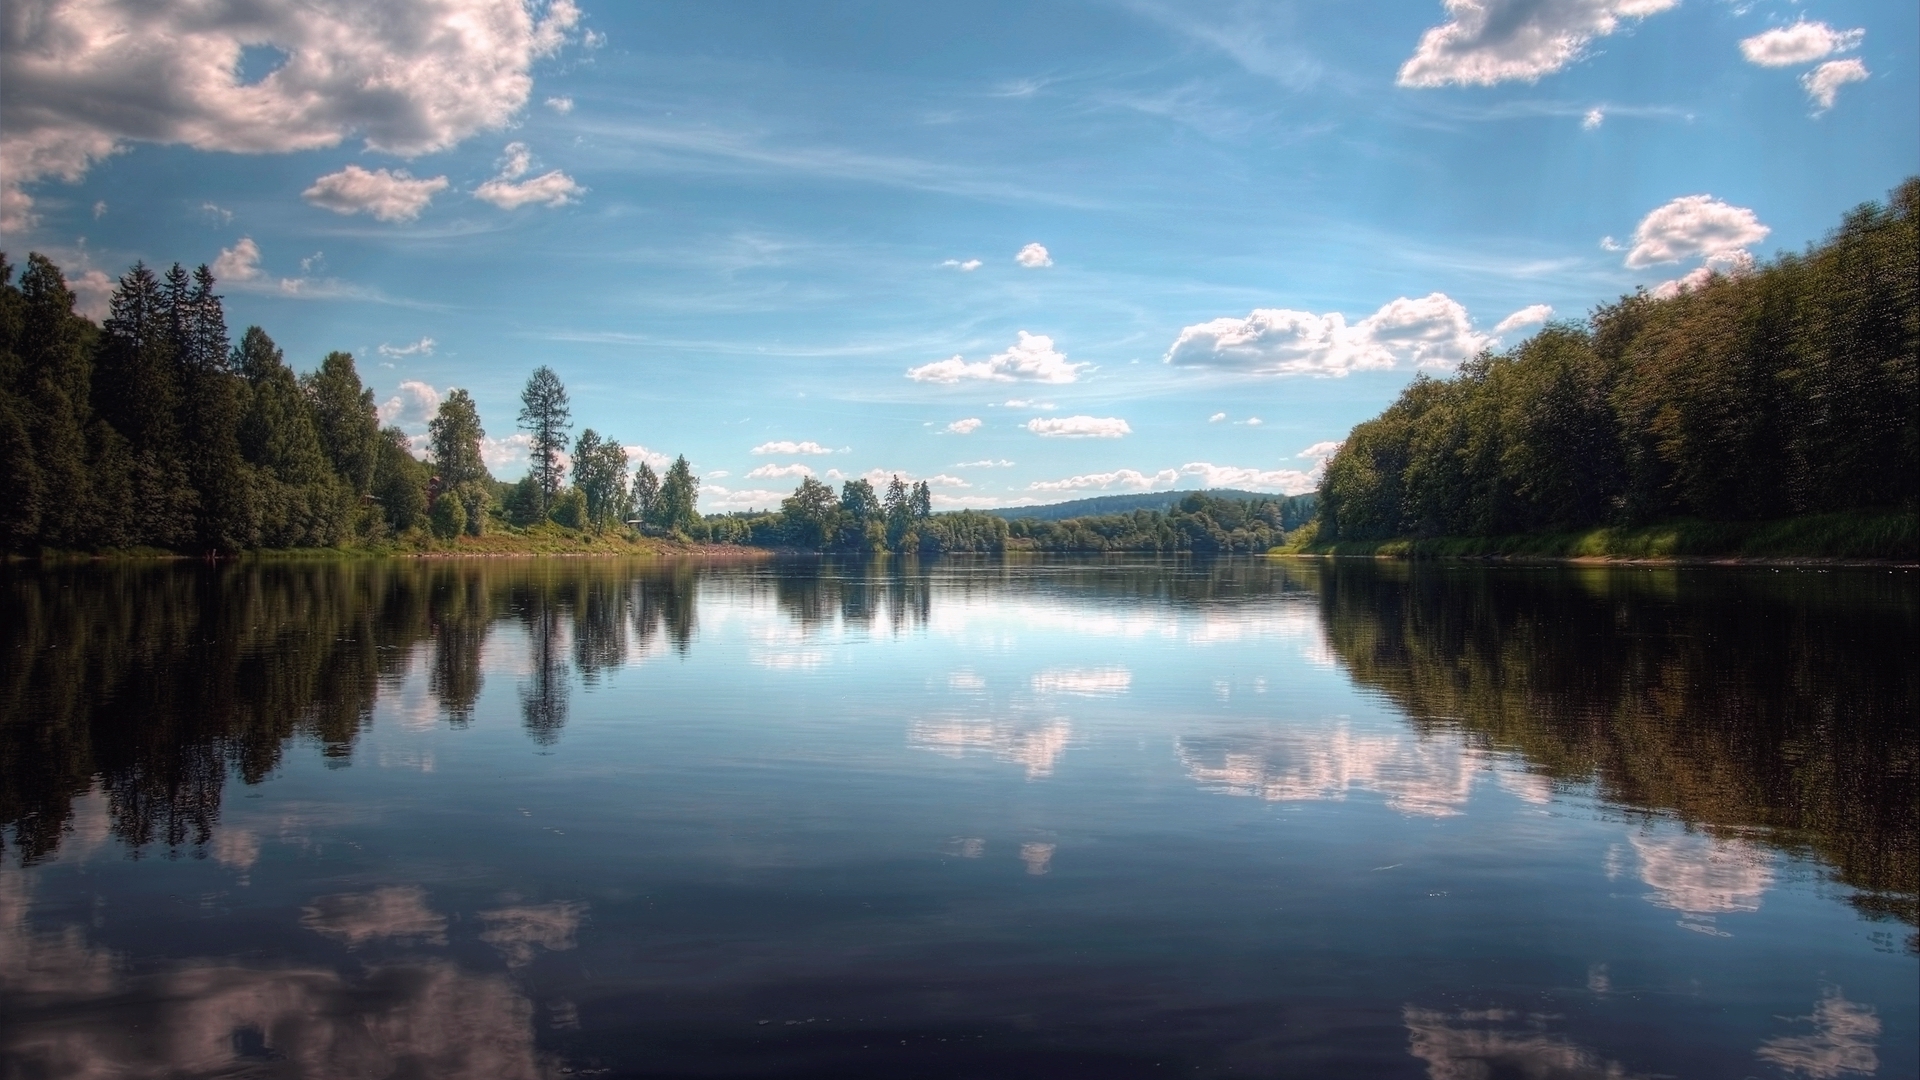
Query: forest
1785	390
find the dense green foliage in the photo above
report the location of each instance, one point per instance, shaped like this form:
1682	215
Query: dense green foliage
153	430
1784	391
1110	505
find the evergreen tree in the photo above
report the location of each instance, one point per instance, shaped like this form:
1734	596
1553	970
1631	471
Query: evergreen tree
455	438
136	386
345	419
52	385
21	489
600	473
303	502
679	493
920	503
544	414
400	481
211	408
646	493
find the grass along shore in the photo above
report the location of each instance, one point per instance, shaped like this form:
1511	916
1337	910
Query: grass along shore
1885	535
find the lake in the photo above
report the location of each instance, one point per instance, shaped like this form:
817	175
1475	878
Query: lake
1022	818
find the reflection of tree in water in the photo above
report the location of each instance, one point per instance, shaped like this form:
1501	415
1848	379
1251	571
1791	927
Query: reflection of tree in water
813	591
461	615
155	683
1767	705
544	694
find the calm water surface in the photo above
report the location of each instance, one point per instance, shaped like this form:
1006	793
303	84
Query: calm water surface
959	819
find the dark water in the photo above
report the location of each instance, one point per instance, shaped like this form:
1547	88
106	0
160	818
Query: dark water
962	819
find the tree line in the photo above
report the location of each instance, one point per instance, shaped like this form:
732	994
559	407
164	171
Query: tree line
1787	390
152	429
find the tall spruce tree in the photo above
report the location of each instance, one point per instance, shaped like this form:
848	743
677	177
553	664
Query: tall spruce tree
136	387
679	493
21	490
546	416
454	438
53	384
211	408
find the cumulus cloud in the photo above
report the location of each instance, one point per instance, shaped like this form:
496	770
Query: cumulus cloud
1124	479
1824	82
1209	475
717	499
1693	226
1078	427
770	471
1032	358
1531	315
86	78
562	105
512	451
508	192
416	403
423	347
1491	41
389	195
1033	257
1216	418
1319	452
1433	330
964	427
241	262
1722	262
965	266
785	446
1594	118
1801	43
93	294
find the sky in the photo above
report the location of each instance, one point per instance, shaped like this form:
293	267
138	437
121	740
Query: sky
1026	252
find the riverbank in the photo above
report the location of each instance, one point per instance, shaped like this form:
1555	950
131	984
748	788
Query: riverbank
1856	536
542	541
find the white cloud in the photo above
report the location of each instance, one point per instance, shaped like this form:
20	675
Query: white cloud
1032	358
984	463
965	266
1024	403
964	427
1801	43
1724	262
1319	452
1127	479
241	262
1608	243
1033	257
770	471
1079	427
86	77
99	209
508	192
217	214
785	446
1594	118
1251	421
423	347
1433	330
1531	315
1216	418
717	474
715	499
93	294
1824	82
562	104
499	454
1284	481
1693	226
416	403
880	478
389	195
1491	41
654	458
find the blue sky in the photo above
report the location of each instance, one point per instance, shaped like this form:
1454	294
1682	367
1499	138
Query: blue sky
1027	251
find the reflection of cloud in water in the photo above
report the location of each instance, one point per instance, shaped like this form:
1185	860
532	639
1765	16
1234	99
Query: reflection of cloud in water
966	847
1087	681
1845	1034
1036	745
1038	857
965	681
1703	875
1477	1045
53	964
237	849
206	1020
1431	777
789	660
399	912
516	930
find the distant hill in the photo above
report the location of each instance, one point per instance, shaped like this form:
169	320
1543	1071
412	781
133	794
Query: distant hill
1127	504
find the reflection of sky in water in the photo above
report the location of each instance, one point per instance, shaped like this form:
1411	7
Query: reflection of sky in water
1049	808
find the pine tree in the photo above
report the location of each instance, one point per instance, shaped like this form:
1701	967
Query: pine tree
646	493
303	503
455	437
545	415
53	386
679	493
212	406
136	387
